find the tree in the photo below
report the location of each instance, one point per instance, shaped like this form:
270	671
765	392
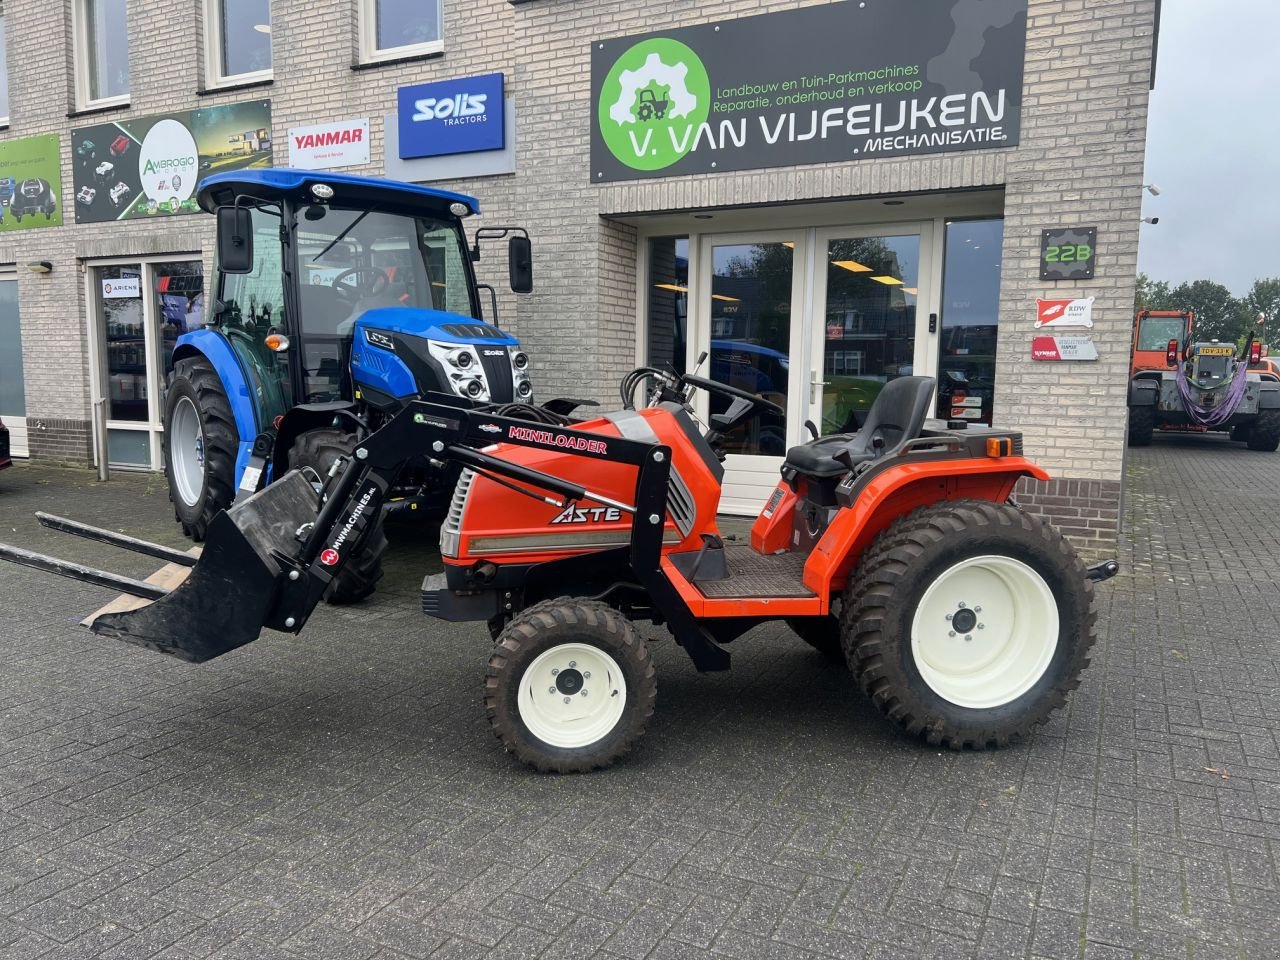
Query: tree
1152	295
1264	298
1219	315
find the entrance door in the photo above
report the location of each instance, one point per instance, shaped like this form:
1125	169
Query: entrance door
13	403
140	308
870	321
749	320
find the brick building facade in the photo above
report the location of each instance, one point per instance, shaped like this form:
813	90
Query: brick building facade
601	248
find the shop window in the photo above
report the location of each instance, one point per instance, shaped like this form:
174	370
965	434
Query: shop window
970	320
390	29
4	70
668	310
238	41
12	390
102	52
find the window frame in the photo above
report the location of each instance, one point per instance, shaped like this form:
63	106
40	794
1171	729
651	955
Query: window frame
367	30
4	54
214	78
84	99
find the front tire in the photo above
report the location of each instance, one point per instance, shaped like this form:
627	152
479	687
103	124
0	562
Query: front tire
200	444
570	686
968	623
1265	432
1142	426
359	576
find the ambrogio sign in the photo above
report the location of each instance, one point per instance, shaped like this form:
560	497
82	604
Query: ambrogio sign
839	81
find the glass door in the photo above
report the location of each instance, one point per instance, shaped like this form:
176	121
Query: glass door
139	311
748	318
13	400
869	326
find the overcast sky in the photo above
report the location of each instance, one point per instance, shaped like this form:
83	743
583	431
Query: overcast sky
1213	144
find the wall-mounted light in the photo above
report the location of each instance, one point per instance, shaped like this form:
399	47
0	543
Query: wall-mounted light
40	266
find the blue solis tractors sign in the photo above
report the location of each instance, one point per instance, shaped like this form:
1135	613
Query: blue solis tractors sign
451	116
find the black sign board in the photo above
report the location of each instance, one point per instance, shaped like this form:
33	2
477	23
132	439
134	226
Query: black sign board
1068	253
821	84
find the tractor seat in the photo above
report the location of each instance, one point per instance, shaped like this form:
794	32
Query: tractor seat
896	417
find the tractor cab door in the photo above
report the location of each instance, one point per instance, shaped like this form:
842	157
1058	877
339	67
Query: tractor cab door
253	308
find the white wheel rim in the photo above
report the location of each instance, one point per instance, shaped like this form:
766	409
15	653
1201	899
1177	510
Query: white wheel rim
1010	634
186	451
572	695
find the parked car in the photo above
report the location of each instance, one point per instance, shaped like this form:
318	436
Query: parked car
5	460
1268	368
32	197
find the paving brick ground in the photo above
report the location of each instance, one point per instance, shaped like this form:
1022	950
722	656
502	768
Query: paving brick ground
340	795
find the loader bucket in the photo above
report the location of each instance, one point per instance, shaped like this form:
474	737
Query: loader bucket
226	600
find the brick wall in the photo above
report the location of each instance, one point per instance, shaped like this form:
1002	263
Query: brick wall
1079	163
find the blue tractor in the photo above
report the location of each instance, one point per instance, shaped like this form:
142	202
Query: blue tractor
337	300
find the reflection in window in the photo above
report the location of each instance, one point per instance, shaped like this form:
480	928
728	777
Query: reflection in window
870	320
970	319
668	303
404	23
106	43
244	32
120	307
750	314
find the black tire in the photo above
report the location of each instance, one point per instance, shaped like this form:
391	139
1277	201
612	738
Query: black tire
542	627
1142	425
1240	432
821	633
891	580
359	576
195	379
1264	435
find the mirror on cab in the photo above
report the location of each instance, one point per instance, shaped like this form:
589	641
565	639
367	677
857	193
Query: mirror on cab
235	240
520	263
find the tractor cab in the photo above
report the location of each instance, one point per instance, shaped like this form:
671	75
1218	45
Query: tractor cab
1153	331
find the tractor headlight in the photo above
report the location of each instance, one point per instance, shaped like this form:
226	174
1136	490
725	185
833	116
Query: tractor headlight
461	359
463	373
474	389
524	389
520	361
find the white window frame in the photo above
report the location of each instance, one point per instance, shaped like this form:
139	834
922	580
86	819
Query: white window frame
213	75
4	119
368	28
81	40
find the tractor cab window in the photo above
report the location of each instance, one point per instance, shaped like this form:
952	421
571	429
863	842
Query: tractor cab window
1154	333
252	306
353	261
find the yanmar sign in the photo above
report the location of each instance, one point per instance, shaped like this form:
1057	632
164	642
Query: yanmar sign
329	145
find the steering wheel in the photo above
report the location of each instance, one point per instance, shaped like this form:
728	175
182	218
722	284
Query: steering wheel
360	288
715	386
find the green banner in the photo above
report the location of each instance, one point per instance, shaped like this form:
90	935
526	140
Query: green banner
30	183
149	166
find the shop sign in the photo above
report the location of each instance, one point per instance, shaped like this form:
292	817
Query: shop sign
122	288
451	116
325	146
149	167
1065	313
1063	348
1068	254
30	183
854	81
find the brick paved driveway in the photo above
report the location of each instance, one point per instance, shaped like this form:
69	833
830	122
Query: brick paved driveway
339	795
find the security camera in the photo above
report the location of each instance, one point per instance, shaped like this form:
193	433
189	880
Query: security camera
1152	189
1151	220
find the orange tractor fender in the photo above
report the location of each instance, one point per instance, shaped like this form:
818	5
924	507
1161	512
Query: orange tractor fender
895	493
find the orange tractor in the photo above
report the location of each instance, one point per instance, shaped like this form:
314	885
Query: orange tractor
896	550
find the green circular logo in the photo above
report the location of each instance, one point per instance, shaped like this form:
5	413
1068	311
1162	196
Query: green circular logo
652	102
